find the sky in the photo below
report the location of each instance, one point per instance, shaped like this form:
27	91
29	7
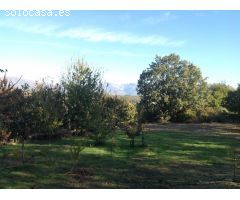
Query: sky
121	43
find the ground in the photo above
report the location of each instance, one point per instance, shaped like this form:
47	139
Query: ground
176	156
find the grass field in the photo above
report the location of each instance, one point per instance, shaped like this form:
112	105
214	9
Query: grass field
171	159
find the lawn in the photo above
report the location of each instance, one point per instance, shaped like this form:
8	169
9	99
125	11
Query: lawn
171	159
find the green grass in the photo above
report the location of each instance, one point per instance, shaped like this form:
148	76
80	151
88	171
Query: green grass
170	160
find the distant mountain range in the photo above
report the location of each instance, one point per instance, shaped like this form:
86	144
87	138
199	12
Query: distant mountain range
122	89
22	81
112	88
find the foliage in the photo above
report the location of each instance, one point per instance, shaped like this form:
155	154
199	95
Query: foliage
132	99
218	92
101	123
120	111
75	151
6	97
133	130
4	134
22	120
83	89
48	100
171	86
123	114
12	104
232	101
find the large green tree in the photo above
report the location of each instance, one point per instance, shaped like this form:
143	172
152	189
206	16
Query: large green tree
83	91
170	87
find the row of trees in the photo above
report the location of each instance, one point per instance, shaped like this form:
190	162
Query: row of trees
77	104
170	89
174	89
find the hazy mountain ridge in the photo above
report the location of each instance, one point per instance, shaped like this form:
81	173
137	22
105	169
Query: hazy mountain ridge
112	88
21	81
122	89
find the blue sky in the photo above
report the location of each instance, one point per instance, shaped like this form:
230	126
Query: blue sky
121	43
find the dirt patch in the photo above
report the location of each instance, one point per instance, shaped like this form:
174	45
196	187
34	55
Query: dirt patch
204	127
81	174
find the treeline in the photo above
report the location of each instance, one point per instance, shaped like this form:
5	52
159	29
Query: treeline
171	89
77	105
174	90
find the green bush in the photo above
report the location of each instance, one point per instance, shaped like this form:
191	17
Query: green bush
187	117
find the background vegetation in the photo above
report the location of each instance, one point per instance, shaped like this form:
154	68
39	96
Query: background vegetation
170	90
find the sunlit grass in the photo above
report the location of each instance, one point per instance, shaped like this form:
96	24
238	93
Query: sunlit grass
170	160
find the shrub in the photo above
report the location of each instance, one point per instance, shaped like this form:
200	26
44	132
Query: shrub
132	130
75	151
189	117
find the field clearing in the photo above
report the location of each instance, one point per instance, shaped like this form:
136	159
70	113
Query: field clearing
217	128
176	156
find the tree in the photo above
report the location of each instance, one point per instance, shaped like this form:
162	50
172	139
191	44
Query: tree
101	122
21	121
170	87
110	113
48	99
120	110
232	101
126	115
83	89
7	99
218	92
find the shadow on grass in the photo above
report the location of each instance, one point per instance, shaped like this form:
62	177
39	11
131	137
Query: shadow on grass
170	160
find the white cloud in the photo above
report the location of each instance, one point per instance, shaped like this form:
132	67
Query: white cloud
27	27
92	34
97	35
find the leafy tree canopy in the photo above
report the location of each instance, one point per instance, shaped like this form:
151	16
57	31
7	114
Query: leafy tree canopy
83	90
171	86
218	92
